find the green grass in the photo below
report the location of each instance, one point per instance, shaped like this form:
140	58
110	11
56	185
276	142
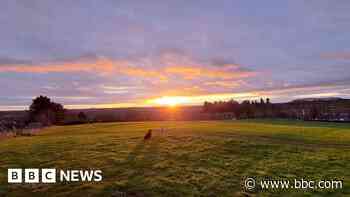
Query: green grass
194	158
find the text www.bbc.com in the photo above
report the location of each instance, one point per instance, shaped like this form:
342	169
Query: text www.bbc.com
252	184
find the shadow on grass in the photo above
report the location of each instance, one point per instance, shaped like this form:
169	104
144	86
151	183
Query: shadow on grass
147	151
138	167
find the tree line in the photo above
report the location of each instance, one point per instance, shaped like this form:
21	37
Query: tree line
327	109
245	109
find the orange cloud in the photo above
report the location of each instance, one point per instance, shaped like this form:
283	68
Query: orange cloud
195	72
106	66
100	66
226	84
139	72
339	55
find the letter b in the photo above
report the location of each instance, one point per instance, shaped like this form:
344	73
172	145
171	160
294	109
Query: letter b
14	175
31	175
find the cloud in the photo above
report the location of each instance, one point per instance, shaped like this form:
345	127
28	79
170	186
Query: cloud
336	56
11	61
118	89
99	66
50	68
102	79
145	73
183	64
162	69
225	84
189	72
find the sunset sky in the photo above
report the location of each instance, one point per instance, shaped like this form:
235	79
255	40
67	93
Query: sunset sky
111	53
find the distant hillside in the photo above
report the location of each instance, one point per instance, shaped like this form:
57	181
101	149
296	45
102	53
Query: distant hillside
137	114
13	114
318	99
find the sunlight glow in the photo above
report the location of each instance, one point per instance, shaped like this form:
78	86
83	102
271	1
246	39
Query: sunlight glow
170	101
195	100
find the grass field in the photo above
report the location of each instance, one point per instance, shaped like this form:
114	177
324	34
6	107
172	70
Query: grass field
191	159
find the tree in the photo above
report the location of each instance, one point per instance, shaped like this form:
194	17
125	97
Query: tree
206	107
46	112
82	117
267	100
262	101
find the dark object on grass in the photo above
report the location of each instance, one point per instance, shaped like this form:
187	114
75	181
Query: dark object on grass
148	135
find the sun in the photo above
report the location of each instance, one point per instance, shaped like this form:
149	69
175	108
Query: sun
171	101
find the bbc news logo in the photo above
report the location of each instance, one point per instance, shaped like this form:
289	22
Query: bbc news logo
51	175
